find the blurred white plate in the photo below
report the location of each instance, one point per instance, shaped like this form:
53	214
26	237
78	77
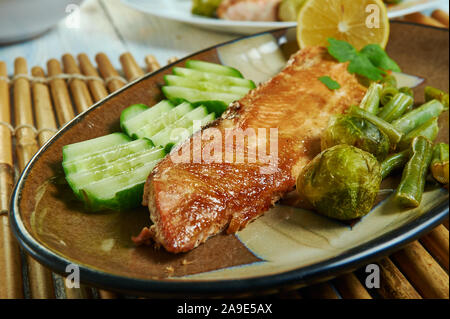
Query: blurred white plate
24	19
180	10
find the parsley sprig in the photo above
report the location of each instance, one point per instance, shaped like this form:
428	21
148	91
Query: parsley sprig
371	61
330	83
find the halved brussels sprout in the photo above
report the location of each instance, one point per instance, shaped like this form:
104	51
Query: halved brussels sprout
341	182
358	132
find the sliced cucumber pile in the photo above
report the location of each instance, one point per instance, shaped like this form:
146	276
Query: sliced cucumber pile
110	176
109	172
167	125
202	81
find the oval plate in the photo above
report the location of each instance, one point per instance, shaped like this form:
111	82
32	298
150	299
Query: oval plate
180	10
288	246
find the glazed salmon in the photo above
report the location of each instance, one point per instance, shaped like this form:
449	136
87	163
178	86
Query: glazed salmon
202	195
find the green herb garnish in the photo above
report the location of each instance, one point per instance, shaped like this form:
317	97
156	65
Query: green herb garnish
371	62
379	57
329	82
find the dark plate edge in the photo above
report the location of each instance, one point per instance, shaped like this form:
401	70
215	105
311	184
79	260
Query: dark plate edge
347	261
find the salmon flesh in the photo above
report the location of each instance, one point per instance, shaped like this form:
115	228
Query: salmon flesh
213	183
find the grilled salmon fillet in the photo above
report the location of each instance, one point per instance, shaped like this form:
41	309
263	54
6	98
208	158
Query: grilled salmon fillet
192	199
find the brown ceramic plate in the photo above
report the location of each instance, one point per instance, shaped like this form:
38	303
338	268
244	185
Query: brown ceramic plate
287	246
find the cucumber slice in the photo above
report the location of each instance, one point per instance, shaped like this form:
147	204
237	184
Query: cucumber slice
213	68
175	80
217	107
119	192
193	95
135	123
191	130
82	149
124	164
131	112
178	128
196	75
156	125
105	156
207	119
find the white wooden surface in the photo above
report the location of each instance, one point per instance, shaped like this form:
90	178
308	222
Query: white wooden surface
109	26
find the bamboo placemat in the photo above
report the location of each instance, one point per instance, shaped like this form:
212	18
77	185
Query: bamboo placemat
34	104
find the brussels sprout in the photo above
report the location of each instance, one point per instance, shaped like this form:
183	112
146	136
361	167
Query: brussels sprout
358	132
205	8
341	182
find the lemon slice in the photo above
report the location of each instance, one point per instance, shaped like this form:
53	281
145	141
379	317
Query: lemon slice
359	22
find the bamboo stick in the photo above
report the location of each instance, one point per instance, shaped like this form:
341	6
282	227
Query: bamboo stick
393	284
83	292
96	87
60	93
10	263
172	60
441	16
436	242
418	17
108	72
26	142
430	280
319	291
40	278
104	294
43	111
130	67
78	88
152	63
350	287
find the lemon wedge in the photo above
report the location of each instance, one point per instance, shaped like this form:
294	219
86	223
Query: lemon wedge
359	22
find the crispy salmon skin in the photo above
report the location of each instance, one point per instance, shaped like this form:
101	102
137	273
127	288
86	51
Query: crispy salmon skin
202	195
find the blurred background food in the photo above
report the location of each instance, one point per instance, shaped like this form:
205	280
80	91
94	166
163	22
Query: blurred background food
248	10
205	8
253	10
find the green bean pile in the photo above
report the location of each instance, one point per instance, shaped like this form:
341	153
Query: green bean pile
411	132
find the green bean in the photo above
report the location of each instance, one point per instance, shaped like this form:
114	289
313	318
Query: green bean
406	90
387	93
393	162
432	93
429	129
394	135
411	187
439	163
396	107
418	116
371	100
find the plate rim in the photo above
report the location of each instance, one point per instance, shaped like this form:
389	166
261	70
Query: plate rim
329	268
